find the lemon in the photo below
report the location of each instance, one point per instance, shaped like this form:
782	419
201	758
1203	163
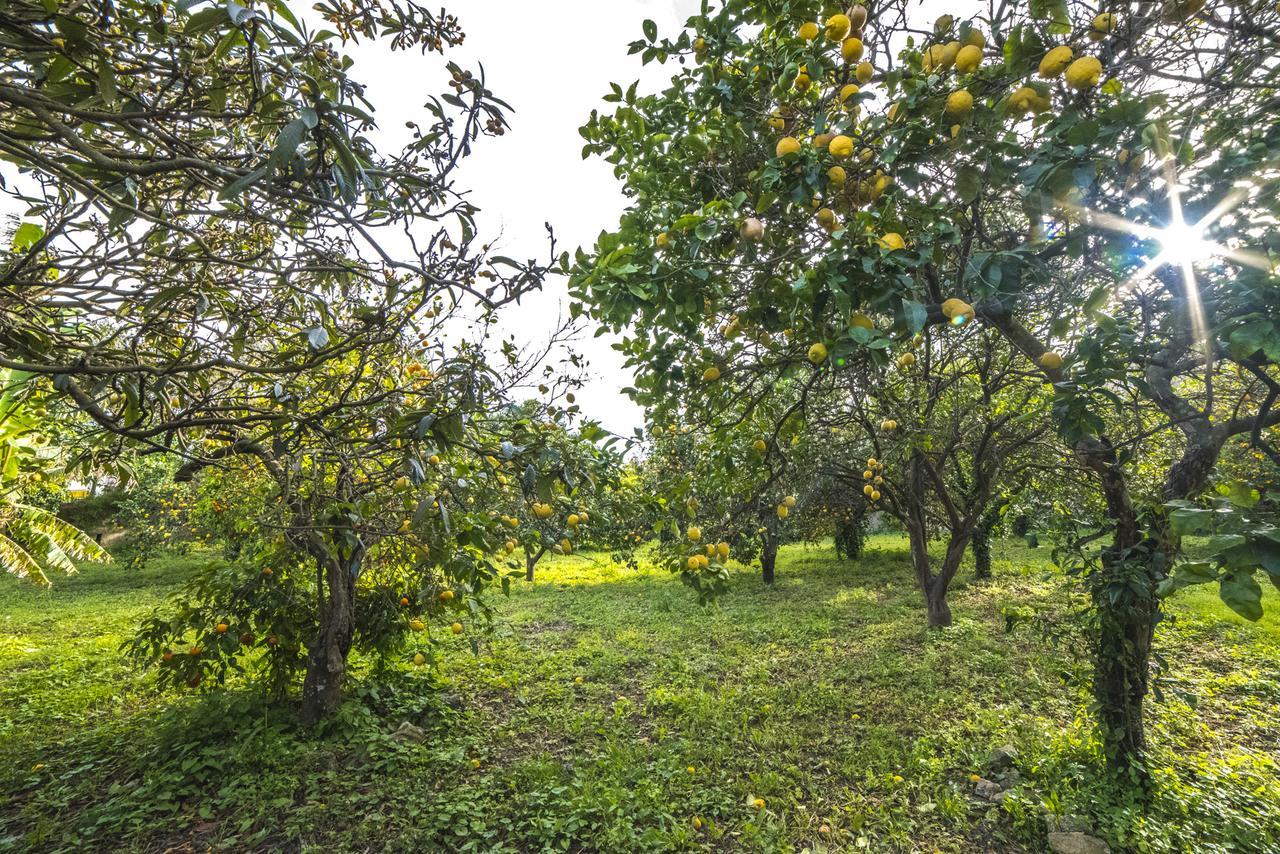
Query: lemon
851	49
787	145
789	501
752	229
959	104
1050	361
841	146
934	58
975	38
892	240
808	31
694	533
456	628
906	360
958	311
1102	25
827	219
783	512
818	353
419	659
1084	73
894	109
662	240
875	496
863	73
1055	62
858	16
888	425
759	446
722	550
711	374
417	625
446	596
838	27
803	80
860	320
868	489
1023	100
822	140
968	59
777	123
837	176
846	93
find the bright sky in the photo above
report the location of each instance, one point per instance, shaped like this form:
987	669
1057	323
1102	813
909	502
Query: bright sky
552	68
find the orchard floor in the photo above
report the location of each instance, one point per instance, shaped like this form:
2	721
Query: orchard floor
823	694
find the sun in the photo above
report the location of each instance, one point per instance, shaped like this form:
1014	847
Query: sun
1183	244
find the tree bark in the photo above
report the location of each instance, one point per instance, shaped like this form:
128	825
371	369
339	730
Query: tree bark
935	598
530	561
327	656
768	554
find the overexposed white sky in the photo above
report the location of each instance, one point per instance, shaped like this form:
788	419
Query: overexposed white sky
552	62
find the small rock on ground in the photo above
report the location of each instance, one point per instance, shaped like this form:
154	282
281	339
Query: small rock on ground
1075	842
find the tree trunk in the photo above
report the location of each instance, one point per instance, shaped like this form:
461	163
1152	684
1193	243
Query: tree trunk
982	553
327	656
1125	598
935	598
1123	590
768	554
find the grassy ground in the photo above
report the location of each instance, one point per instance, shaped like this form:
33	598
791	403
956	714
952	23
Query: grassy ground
823	695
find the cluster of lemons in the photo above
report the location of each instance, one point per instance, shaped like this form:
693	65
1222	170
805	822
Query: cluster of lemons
702	559
874	477
784	509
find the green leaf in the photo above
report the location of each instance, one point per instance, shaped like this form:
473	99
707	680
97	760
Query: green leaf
27	235
287	144
1189	520
241	184
1242	594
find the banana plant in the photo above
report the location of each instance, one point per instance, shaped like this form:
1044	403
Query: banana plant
33	541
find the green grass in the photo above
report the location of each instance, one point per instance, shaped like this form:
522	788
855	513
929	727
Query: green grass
823	694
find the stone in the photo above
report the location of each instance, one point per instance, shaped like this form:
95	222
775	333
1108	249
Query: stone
986	789
1002	758
407	732
1075	842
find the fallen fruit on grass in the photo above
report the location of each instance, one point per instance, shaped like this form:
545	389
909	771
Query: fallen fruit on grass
419	659
456	628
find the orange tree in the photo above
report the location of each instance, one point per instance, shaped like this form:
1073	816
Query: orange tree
218	263
809	162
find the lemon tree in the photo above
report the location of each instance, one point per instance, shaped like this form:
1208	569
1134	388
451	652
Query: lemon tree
1014	169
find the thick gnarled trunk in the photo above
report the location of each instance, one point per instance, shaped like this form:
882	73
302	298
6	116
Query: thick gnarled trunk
327	655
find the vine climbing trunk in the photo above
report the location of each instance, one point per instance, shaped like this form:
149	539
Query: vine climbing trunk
1124	595
982	539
